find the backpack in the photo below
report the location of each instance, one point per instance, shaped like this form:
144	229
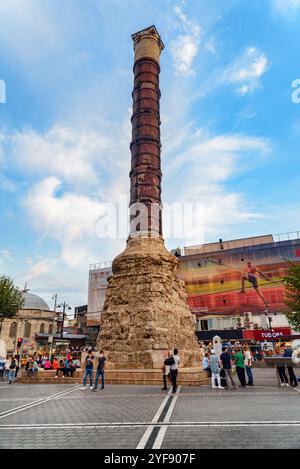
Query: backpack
12	365
169	361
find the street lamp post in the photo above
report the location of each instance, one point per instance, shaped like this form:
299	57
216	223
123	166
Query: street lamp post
63	305
270	319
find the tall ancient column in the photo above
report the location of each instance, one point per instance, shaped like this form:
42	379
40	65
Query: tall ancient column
145	311
145	175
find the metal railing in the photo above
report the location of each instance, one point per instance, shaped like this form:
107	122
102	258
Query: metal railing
101	265
239	243
230	244
287	236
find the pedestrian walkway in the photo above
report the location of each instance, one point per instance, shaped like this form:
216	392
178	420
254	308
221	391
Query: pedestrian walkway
61	416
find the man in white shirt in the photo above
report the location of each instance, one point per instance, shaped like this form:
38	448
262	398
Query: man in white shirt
248	365
174	370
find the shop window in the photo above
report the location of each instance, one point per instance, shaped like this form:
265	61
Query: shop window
210	324
226	323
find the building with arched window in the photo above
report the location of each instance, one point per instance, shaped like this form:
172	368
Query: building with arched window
33	318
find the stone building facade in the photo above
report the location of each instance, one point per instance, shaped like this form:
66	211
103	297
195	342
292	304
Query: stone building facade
34	317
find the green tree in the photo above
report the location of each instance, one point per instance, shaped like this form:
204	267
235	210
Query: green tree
292	284
11	299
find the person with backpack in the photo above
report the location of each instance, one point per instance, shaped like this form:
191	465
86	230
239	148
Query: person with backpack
215	371
225	359
100	370
88	370
12	369
17	358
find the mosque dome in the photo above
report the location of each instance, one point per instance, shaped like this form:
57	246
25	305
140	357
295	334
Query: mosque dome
32	301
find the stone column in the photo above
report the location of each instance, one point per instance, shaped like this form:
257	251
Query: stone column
145	311
145	175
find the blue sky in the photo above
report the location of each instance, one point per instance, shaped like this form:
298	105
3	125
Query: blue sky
230	129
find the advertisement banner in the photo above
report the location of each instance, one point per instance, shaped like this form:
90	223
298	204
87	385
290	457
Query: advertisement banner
268	334
232	281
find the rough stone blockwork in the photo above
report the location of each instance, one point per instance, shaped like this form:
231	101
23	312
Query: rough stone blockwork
146	311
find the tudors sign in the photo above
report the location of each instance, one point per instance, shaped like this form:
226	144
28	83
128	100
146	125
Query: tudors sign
275	333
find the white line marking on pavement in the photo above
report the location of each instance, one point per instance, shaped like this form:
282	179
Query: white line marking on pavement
150	428
35	403
161	407
66	426
161	434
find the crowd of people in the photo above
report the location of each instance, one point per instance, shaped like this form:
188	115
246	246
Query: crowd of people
220	368
9	368
217	366
66	365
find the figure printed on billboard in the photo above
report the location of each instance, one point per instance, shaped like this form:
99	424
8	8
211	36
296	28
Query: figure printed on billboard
252	274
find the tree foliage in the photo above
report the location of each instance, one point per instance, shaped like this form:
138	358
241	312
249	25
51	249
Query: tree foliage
292	284
11	299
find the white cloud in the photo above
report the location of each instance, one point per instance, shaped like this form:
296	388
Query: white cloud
245	89
246	70
216	156
200	166
69	219
288	8
6	253
38	269
185	47
63	151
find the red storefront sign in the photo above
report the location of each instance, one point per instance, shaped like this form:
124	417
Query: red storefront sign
268	334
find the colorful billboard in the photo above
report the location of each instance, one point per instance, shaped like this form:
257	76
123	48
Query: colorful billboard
234	281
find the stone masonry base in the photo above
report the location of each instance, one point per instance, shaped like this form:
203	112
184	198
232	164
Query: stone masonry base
186	377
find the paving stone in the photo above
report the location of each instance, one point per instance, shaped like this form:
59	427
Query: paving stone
139	404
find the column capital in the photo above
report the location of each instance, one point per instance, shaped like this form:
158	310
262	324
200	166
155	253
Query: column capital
147	44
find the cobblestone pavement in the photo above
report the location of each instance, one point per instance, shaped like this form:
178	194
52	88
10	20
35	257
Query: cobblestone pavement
120	417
